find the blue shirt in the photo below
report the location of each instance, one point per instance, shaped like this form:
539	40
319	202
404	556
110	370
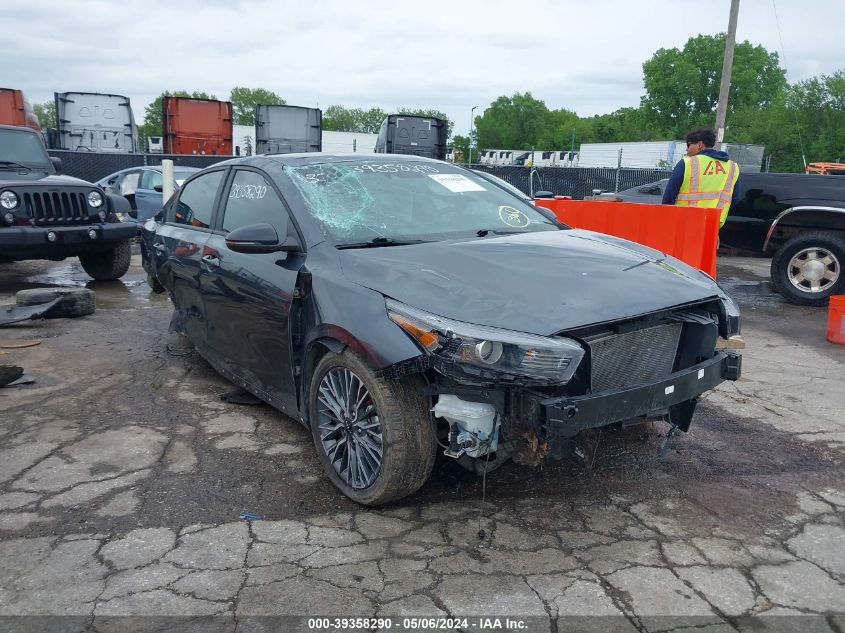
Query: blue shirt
673	187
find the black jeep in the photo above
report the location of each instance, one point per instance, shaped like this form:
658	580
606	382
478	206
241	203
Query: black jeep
48	216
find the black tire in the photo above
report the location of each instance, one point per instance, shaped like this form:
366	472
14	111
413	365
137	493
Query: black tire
109	265
409	445
787	274
75	302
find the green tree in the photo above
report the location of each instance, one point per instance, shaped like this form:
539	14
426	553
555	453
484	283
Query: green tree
461	146
682	86
806	121
372	119
46	113
337	118
513	122
244	101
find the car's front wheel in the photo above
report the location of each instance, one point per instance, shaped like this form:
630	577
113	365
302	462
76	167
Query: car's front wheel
808	268
108	265
374	437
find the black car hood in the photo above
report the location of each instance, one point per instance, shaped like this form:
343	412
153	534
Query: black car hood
541	283
8	176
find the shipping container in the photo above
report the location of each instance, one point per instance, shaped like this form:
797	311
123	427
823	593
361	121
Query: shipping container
420	136
95	122
196	126
15	109
284	129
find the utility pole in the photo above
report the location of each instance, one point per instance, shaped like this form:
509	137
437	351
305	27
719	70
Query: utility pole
471	121
727	66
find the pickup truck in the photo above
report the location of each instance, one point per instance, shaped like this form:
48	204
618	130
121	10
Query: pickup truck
797	219
44	215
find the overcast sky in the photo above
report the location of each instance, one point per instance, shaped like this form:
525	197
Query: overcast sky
584	55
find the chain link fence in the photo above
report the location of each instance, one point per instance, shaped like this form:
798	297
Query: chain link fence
93	166
576	182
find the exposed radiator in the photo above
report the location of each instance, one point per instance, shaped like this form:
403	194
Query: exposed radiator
633	358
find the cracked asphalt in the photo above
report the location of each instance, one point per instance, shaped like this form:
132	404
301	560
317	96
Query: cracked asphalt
123	475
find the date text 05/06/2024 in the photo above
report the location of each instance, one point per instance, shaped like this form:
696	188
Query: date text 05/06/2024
416	624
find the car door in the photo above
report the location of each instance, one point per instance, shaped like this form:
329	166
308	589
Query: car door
147	200
248	296
177	250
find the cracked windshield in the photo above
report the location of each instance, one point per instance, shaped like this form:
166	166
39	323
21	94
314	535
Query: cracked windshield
362	201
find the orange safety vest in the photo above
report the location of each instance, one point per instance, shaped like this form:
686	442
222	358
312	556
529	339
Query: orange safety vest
708	184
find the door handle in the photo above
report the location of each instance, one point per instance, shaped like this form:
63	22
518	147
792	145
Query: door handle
212	261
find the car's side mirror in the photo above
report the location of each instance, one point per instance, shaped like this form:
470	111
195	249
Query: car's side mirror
544	194
158	188
259	238
57	164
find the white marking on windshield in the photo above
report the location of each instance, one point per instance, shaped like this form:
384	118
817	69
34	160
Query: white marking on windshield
456	183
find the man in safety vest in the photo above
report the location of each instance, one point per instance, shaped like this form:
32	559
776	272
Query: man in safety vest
705	177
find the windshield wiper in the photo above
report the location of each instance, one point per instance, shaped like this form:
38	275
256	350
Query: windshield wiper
378	242
484	232
13	165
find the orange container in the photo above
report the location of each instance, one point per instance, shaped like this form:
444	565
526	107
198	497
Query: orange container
689	233
836	319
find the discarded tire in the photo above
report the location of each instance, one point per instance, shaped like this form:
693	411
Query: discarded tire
74	302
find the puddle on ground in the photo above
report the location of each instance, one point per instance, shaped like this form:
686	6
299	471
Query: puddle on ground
131	291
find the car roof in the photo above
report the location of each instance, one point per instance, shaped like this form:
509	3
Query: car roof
149	168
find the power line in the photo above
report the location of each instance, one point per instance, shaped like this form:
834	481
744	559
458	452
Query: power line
785	69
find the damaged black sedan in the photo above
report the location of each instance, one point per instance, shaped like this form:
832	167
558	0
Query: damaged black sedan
395	304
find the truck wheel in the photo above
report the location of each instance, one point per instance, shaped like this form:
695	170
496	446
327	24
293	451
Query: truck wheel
374	437
109	265
75	302
808	268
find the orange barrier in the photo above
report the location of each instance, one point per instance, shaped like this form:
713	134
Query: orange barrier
836	319
689	233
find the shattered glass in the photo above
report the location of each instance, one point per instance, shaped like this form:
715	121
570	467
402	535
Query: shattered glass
362	200
335	193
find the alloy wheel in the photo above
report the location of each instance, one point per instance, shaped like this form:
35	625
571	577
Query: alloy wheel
350	431
813	269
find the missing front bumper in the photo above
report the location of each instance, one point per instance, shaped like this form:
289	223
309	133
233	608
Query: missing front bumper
567	416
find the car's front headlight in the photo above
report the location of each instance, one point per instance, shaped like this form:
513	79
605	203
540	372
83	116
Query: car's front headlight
9	200
95	199
512	355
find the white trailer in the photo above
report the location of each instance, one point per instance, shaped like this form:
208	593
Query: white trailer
646	155
349	142
95	122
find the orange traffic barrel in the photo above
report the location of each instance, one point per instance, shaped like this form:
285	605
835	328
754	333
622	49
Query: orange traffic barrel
688	233
836	319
